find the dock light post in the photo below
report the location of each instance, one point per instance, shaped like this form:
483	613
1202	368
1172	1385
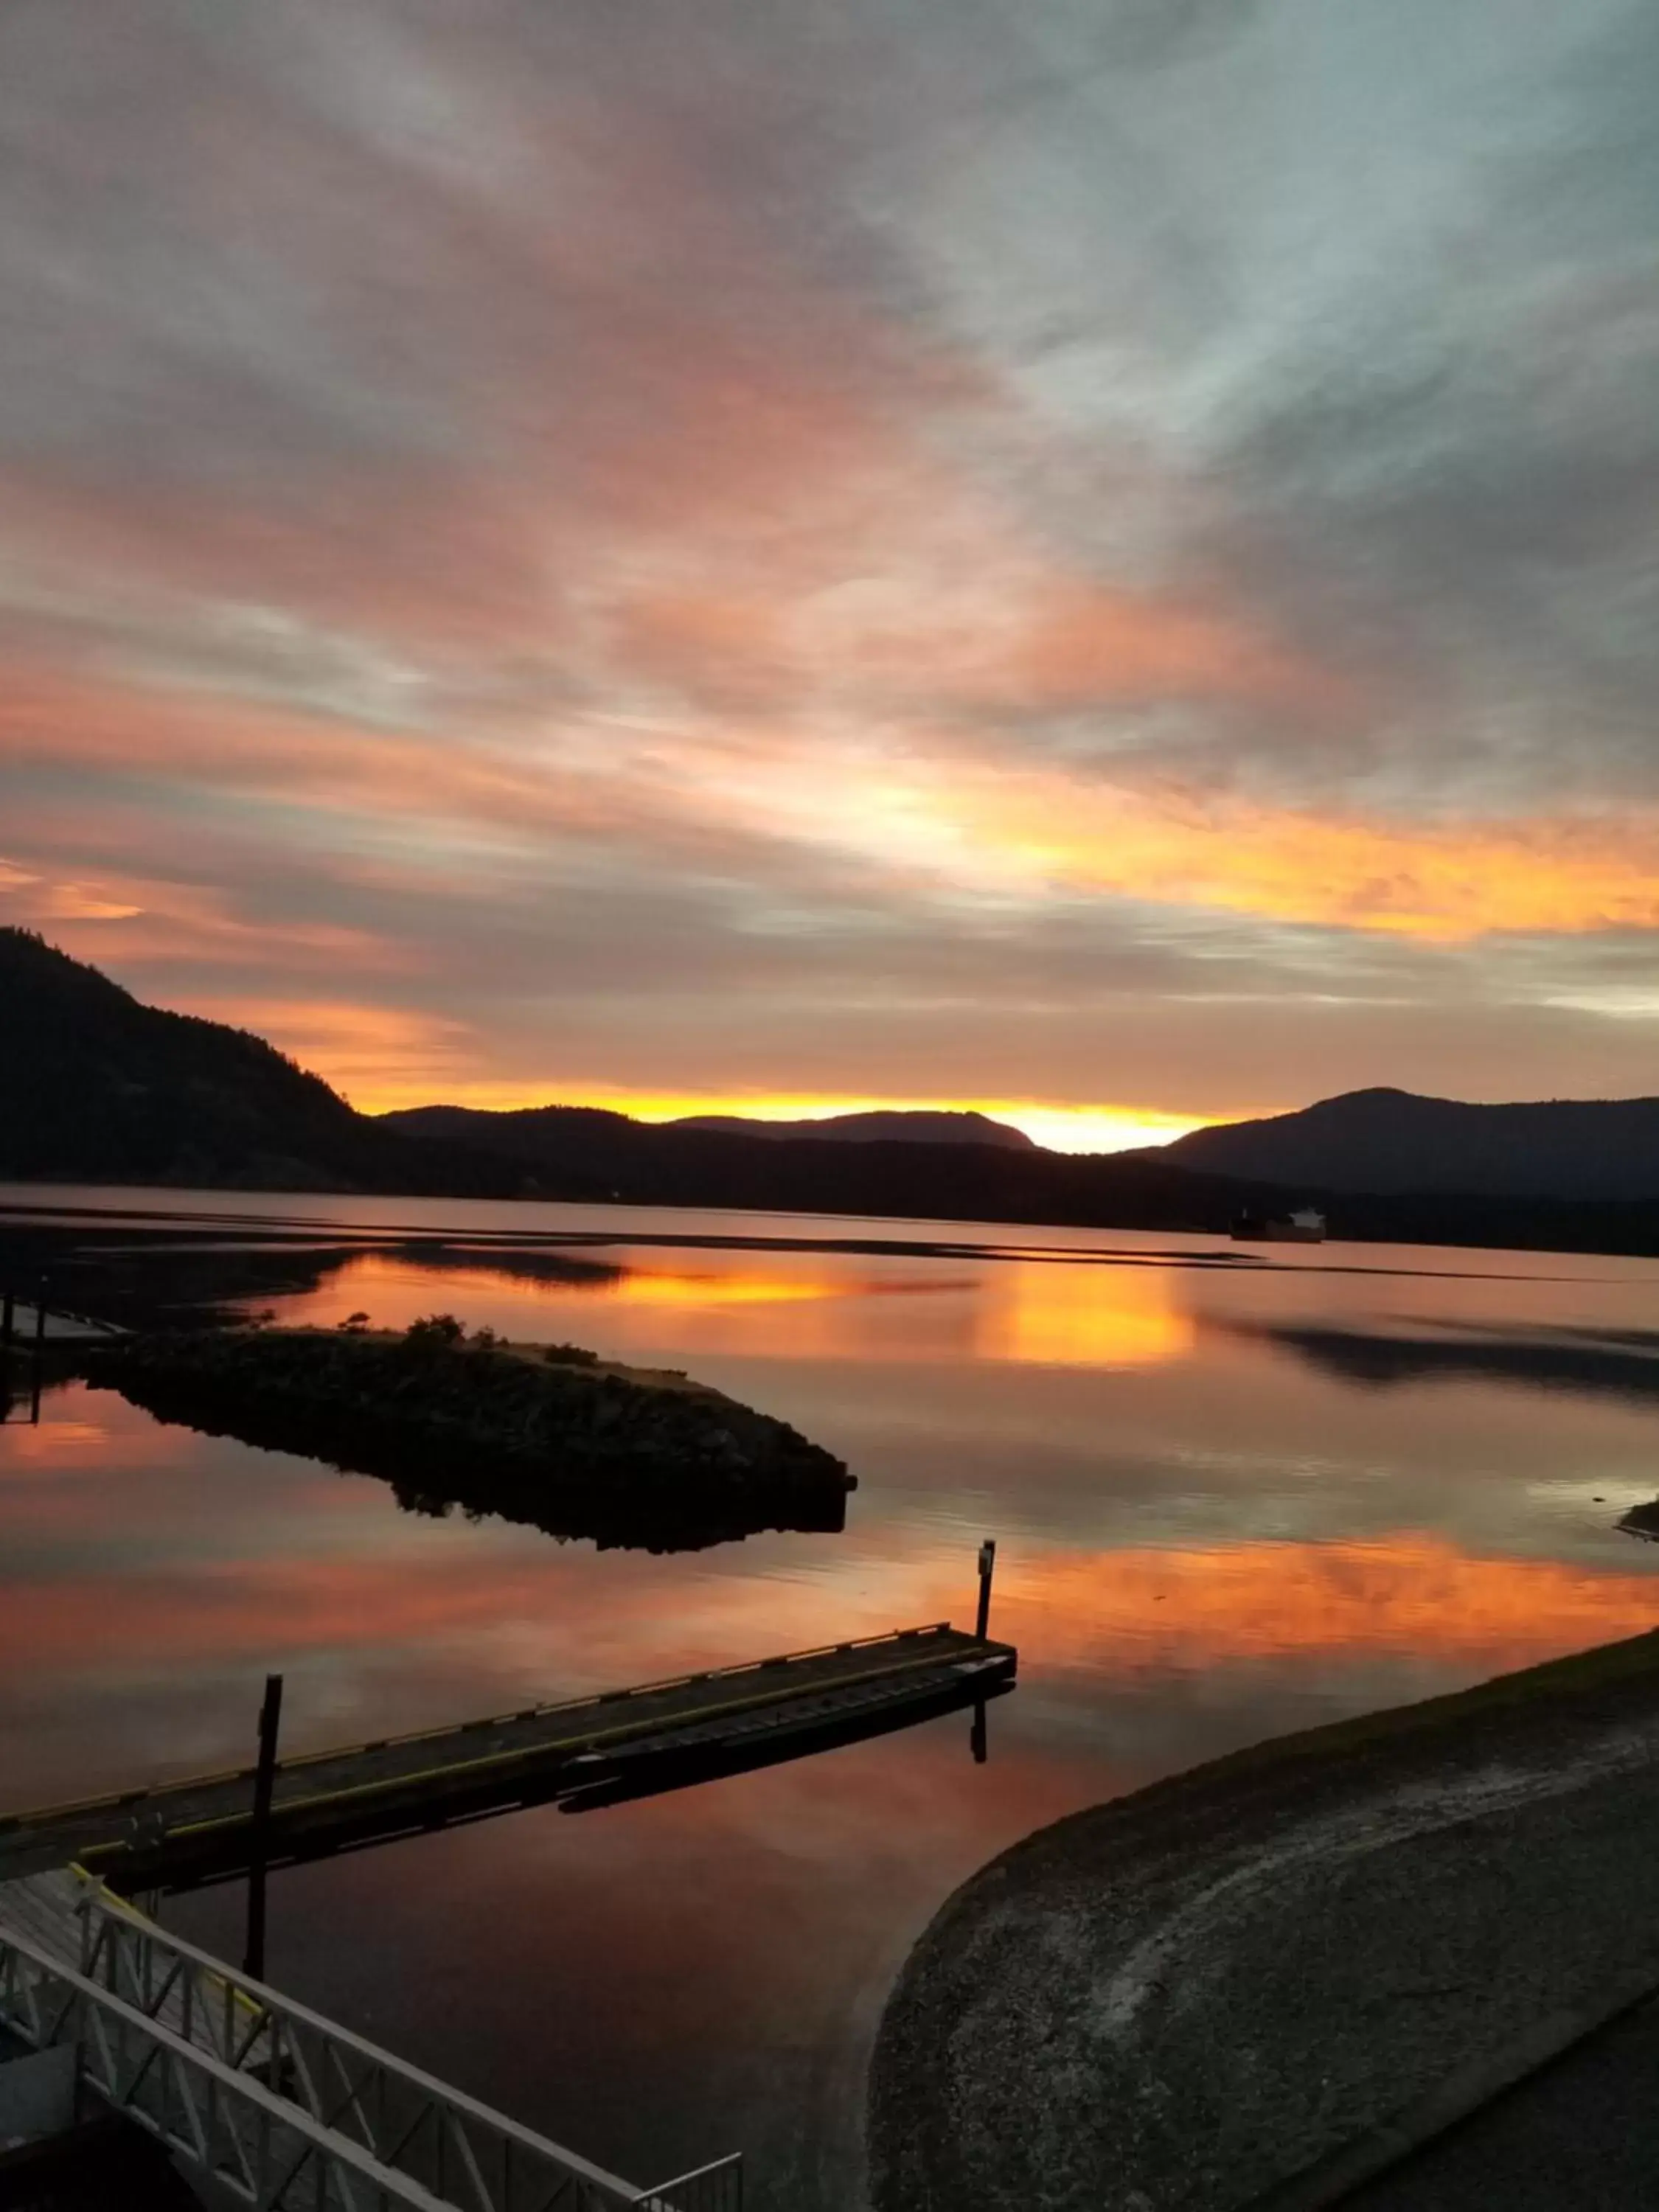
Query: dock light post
264	1777
988	1561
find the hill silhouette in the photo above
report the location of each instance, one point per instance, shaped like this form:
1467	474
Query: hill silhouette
915	1126
96	1086
1390	1142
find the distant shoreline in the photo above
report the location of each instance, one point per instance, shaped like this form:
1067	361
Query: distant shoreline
1604	1229
99	1089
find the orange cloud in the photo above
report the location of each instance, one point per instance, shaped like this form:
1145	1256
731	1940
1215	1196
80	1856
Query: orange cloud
1437	883
923	816
83	902
145	917
1018	831
378	1056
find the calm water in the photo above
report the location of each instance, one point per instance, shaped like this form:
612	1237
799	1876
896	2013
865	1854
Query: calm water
1234	1494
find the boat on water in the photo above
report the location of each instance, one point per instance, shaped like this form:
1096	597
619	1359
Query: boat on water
1306	1225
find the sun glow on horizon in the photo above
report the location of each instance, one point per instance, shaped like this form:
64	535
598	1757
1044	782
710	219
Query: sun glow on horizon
1059	1128
386	1059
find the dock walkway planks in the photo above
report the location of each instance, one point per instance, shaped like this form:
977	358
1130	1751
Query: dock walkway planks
45	1908
49	1911
200	1829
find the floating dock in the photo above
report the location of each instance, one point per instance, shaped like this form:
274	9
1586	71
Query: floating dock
584	1751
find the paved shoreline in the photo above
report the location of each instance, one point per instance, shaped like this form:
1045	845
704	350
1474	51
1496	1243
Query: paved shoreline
1183	1999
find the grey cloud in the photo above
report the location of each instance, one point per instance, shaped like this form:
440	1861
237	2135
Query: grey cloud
1372	293
1335	320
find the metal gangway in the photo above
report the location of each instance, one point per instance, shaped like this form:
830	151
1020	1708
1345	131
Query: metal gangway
266	2101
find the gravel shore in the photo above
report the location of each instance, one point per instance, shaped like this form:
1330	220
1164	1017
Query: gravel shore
1174	2001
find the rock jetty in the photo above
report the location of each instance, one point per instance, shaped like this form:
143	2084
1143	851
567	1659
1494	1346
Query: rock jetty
546	1434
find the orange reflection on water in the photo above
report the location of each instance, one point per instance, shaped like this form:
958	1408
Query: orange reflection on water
53	1443
1103	1613
792	1305
805	1305
695	1292
1049	1314
1408	1593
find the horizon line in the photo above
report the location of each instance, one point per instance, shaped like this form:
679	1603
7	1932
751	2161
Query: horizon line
1059	1128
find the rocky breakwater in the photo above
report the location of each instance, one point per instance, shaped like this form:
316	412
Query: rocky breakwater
549	1435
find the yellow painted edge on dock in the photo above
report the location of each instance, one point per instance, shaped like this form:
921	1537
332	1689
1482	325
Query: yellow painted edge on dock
390	1783
111	1900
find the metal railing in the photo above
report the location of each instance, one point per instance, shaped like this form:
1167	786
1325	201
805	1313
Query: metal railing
14	1333
283	2108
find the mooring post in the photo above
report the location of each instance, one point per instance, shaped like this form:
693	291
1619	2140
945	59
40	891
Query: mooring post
988	1561
264	1778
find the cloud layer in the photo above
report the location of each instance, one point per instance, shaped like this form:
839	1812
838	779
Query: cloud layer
1086	555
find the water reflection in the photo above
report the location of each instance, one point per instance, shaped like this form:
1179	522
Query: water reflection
657	1777
1211	1530
21	1384
1083	1316
1623	1365
815	1306
1405	1595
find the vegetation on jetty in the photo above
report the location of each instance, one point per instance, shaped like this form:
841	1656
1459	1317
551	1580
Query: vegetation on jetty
548	1435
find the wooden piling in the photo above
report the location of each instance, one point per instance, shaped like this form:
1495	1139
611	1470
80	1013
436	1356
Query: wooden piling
264	1781
988	1561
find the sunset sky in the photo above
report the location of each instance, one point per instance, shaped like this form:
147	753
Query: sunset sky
1095	557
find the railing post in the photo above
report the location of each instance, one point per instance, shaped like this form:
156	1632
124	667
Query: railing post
264	1781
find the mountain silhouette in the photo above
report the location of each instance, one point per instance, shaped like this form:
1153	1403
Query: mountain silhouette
95	1087
1389	1142
913	1126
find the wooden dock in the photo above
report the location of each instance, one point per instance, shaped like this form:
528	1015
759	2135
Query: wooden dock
586	1751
